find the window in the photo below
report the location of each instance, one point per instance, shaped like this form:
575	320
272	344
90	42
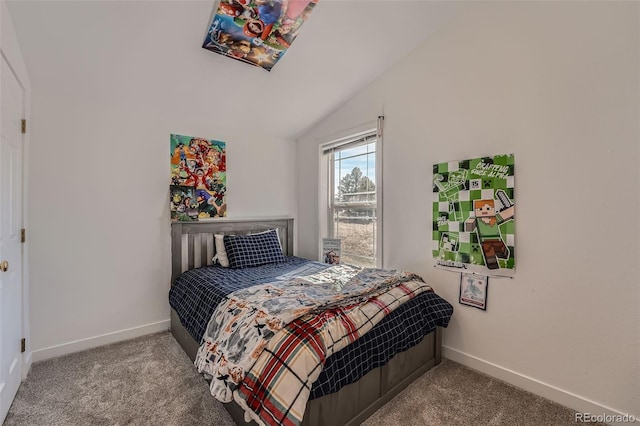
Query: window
352	196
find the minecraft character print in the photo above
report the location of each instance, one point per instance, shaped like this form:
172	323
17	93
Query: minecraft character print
486	224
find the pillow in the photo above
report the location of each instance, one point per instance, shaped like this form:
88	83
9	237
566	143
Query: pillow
221	252
254	249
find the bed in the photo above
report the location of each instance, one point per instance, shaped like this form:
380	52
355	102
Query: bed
338	398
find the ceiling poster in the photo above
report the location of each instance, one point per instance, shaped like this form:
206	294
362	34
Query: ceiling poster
257	32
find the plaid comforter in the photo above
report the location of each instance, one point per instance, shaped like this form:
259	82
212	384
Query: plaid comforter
276	389
274	338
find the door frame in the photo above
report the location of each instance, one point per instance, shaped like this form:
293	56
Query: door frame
10	51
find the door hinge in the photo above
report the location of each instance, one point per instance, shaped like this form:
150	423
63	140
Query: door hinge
23	345
23	235
24	125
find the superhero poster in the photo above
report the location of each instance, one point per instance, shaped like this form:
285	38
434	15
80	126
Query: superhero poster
474	215
201	165
257	32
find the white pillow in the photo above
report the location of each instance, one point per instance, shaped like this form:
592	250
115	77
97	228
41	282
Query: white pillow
221	252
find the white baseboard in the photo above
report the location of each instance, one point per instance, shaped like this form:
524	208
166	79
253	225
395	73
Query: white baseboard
545	390
27	360
101	340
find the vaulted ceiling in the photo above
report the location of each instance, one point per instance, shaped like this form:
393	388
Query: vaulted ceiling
154	48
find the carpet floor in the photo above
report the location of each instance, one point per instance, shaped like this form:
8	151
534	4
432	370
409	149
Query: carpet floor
151	381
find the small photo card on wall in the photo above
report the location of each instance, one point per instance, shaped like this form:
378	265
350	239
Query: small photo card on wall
473	290
331	250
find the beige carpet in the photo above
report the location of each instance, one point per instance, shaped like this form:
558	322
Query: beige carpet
451	394
150	381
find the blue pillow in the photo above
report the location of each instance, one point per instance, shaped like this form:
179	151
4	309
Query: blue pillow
254	249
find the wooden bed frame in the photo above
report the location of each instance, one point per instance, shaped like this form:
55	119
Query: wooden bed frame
192	246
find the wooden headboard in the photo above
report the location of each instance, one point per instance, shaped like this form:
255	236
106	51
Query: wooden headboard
192	242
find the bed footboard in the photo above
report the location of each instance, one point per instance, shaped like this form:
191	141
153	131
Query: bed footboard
354	403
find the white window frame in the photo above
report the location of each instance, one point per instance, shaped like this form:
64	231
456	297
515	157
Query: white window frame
327	186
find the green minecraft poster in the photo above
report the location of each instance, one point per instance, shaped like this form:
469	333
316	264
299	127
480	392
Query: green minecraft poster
474	215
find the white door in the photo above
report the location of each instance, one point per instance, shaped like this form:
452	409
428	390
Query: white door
11	113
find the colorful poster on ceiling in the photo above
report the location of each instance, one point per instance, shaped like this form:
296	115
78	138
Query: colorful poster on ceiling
474	215
257	32
200	164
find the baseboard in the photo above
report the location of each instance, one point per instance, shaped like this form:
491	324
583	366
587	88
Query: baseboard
27	360
545	390
101	340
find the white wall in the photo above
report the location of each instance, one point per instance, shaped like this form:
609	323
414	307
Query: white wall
557	84
104	104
